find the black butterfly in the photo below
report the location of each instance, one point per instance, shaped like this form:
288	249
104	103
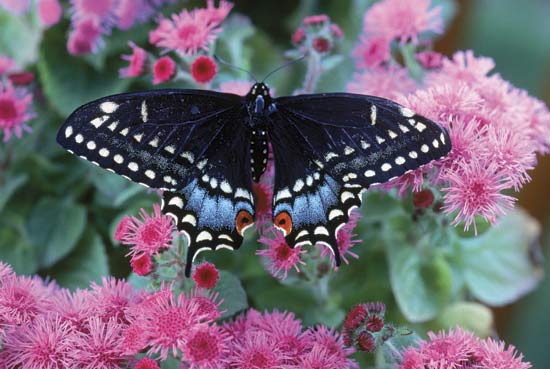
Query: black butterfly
205	148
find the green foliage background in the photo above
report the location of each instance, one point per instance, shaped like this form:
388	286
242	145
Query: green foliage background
57	213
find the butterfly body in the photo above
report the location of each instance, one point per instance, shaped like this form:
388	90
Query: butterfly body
205	149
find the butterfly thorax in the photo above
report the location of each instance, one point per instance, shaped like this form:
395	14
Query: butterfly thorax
259	102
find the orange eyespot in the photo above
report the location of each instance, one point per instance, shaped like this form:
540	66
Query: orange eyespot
243	221
284	222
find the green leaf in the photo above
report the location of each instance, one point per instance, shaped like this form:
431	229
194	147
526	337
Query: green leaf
69	81
54	228
471	316
15	248
419	297
497	267
86	263
20	37
231	290
9	187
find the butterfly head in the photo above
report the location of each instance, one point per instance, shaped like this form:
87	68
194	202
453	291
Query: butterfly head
259	98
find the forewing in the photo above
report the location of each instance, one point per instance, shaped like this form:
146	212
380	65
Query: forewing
155	138
350	142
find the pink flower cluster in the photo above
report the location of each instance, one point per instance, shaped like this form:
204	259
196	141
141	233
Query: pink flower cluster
317	33
277	340
147	237
496	129
15	102
49	11
188	34
461	349
44	326
93	18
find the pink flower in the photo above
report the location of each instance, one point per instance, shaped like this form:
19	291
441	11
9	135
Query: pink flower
321	44
142	264
6	64
430	59
494	354
388	82
255	351
236	87
134	338
315	20
130	12
14	110
463	66
279	255
84	38
163	70
16	7
319	357
49	11
123	228
101	12
445	102
371	52
137	60
264	198
331	341
169	321
113	297
206	275
23	298
187	32
402	19
44	344
5	271
203	69
475	188
150	235
461	349
99	346
213	14
511	151
208	304
207	348
298	36
336	31
21	78
73	308
146	363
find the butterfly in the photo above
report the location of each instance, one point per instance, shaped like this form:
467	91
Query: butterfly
204	149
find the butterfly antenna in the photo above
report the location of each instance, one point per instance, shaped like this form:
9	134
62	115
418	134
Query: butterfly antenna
283	66
228	64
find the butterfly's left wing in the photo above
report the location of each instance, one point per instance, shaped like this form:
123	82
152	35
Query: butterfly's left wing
328	148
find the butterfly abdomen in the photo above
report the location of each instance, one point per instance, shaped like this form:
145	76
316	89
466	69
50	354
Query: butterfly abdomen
258	152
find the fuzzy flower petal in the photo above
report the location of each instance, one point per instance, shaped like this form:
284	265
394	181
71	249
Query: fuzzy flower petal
14	110
280	257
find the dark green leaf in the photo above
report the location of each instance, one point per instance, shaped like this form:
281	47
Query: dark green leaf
9	187
86	263
234	297
54	228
